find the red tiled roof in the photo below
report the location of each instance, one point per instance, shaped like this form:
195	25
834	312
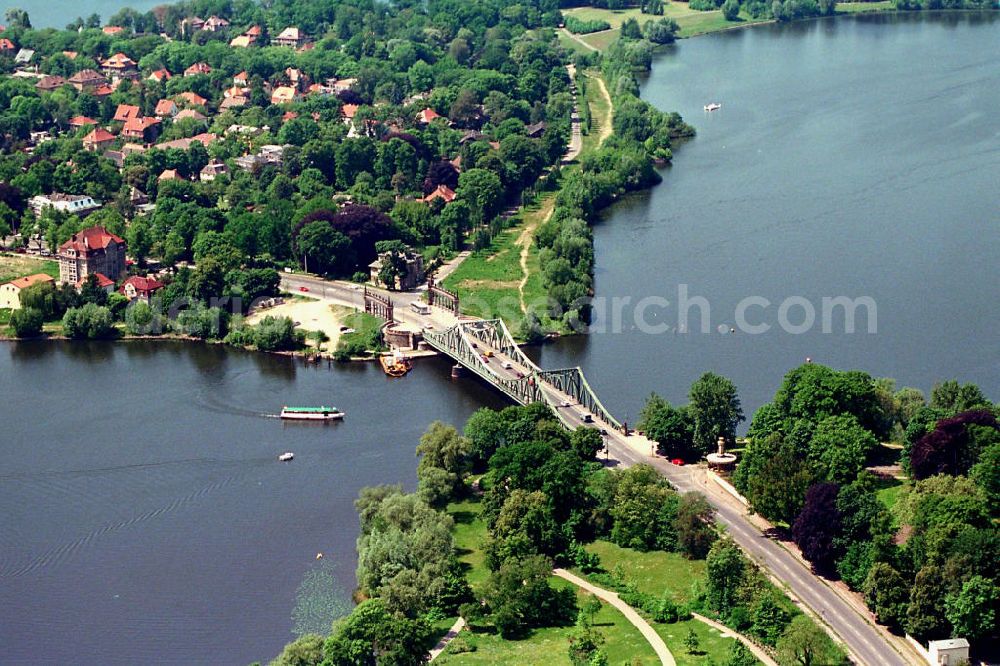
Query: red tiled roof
80	121
103	281
92	238
427	115
441	192
37	278
197	68
112	29
160	75
126	112
142	285
349	110
165	107
119	61
99	135
193	98
139	124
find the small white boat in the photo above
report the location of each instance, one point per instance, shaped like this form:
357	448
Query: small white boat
322	413
714	106
286	456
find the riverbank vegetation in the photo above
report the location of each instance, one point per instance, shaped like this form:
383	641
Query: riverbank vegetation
496	507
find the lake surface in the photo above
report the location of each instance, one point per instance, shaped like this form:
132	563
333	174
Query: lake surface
145	517
58	13
147	521
851	157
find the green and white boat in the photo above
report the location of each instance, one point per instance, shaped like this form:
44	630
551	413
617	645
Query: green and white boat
321	413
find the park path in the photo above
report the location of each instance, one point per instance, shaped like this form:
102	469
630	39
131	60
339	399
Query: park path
606	127
526	238
630	614
580	41
447	638
757	650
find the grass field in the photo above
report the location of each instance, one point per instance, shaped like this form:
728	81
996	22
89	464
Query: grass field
658	572
890	491
366	328
18	265
624	643
861	7
691	21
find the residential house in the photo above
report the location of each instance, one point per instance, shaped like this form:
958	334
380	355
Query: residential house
24	57
189	114
249	38
284	95
7	47
159	75
233	103
535	131
142	129
347	112
120	66
103	282
103	91
10	292
70	54
290	36
212	170
112	30
206	139
427	116
341	85
169	174
215	24
192	24
165	108
50	83
126	112
98	139
241	42
93	250
191	99
76	122
442	191
78	204
413	270
88	80
198	68
141	288
234	91
242	80
296	78
269	154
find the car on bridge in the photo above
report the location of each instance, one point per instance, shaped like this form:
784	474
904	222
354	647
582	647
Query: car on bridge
588	418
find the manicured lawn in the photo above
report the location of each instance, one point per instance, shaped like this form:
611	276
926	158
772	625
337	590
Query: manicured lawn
860	7
654	572
890	491
19	265
615	17
365	327
657	572
691	21
469	532
547	645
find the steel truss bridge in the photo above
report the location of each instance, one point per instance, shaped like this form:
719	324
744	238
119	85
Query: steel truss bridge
467	341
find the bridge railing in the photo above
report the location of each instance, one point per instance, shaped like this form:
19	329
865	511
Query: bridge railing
572	382
458	342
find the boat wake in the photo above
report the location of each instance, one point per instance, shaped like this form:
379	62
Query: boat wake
59	554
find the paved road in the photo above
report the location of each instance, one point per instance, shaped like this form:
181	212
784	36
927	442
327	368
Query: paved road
863	640
350	294
666	658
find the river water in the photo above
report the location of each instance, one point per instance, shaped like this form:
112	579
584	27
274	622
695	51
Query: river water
854	157
146	519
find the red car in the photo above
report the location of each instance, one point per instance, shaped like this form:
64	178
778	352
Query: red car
303	288
678	462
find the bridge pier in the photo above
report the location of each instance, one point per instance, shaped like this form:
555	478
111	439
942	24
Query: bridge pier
457	371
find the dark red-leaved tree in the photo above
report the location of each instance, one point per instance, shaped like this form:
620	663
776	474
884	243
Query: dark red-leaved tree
947	448
365	226
818	525
440	173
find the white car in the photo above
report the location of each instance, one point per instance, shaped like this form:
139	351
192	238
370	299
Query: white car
507	365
